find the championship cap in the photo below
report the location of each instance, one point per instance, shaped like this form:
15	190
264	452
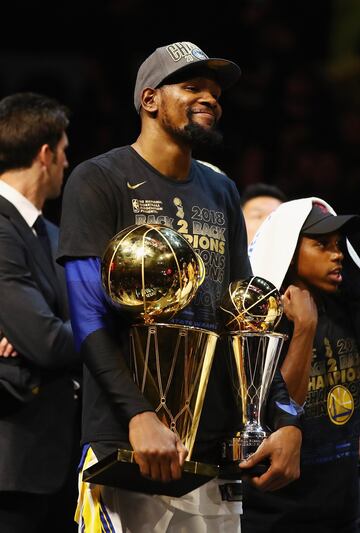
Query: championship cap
320	221
178	58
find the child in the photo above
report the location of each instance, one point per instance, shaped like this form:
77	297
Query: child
301	248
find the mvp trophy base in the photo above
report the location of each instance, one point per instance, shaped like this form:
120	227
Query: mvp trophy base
119	469
232	471
236	450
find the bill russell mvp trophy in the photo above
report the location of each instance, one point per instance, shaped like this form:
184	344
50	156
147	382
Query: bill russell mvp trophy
151	272
251	309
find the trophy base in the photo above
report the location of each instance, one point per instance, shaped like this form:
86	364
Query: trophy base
236	450
119	469
233	471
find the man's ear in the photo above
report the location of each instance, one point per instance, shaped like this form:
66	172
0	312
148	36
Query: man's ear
45	155
148	100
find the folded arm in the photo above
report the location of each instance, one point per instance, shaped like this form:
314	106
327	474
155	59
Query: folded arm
27	321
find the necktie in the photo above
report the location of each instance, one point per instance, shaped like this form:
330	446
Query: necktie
40	228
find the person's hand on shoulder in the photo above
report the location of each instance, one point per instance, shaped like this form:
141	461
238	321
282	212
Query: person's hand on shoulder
282	450
158	451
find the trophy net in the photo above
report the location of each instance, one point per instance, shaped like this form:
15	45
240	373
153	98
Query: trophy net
171	365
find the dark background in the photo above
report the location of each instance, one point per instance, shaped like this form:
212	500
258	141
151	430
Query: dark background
293	119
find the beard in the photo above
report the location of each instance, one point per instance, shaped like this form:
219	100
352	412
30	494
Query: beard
199	137
196	136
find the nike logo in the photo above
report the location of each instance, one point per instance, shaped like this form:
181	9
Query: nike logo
136	185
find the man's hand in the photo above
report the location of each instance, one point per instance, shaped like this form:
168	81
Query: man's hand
159	452
282	449
6	348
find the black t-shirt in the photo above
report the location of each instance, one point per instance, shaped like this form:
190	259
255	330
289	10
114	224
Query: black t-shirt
118	189
325	497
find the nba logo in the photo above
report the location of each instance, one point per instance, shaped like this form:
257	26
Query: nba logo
136	206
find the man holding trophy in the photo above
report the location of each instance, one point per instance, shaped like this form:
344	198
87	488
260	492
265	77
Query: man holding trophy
156	183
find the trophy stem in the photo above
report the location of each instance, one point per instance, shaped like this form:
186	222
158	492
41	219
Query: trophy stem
252	364
251	438
253	413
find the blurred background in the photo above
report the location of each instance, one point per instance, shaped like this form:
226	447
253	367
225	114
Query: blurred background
293	120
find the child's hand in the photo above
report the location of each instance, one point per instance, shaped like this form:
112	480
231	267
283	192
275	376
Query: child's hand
300	307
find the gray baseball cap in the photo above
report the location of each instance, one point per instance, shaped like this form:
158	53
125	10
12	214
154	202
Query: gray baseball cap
180	57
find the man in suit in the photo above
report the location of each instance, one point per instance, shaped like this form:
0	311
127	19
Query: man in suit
38	405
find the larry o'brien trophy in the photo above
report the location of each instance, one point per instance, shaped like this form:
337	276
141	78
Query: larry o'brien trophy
150	272
251	310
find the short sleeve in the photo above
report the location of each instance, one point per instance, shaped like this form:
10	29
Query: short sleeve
88	218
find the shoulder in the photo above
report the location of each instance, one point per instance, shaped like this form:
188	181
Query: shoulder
214	175
210	165
7	225
11	220
98	173
106	163
112	158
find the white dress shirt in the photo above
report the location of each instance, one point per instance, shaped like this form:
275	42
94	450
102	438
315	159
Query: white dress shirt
26	209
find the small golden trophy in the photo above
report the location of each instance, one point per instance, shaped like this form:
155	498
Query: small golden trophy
251	308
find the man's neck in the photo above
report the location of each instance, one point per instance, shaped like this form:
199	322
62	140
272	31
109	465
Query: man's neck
166	156
26	182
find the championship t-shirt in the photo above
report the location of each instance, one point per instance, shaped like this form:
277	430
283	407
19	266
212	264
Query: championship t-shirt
119	189
325	498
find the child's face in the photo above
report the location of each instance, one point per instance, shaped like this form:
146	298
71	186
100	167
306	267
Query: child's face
319	261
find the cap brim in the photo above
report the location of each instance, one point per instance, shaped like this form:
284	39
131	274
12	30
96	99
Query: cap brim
346	223
225	72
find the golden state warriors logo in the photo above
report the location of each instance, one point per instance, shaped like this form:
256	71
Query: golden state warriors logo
340	405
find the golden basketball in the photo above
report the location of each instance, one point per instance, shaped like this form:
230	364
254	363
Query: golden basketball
151	272
251	304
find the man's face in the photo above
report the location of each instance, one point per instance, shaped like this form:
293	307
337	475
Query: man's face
318	262
56	169
256	210
190	111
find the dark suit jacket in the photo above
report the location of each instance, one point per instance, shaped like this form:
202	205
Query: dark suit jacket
37	428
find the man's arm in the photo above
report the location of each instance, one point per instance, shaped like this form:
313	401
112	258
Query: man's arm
158	450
